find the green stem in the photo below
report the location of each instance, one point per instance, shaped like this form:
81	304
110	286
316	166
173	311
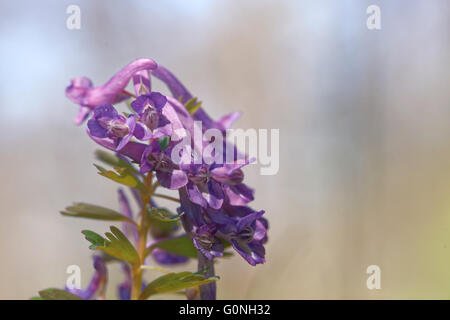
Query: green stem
142	241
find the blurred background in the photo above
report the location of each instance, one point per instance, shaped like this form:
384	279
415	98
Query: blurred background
364	119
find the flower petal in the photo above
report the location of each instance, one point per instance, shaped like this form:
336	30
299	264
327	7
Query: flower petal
159	100
105	111
82	115
142	132
215	195
133	150
252	252
96	129
239	195
248	220
195	196
172	180
131	123
163	257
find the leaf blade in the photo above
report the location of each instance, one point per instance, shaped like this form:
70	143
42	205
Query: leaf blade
90	211
57	294
123	176
181	246
163	214
116	245
173	282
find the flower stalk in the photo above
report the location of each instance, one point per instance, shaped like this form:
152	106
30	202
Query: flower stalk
142	239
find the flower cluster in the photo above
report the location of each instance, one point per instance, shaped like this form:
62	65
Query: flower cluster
213	196
213	210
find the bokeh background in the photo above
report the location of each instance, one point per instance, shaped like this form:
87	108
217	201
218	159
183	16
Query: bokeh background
364	119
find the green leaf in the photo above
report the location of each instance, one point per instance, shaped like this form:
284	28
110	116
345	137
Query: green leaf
116	245
173	282
123	176
164	142
162	229
90	211
95	239
192	105
162	214
57	294
112	160
181	246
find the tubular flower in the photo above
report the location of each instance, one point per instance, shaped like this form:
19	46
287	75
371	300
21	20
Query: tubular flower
97	285
82	92
202	232
106	122
133	150
206	242
203	189
209	185
153	123
163	257
247	235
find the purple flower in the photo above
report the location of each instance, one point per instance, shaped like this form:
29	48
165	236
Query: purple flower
238	194
97	283
213	197
201	233
163	257
193	216
247	236
154	124
231	177
106	122
244	228
202	188
82	92
210	185
168	173
206	242
133	150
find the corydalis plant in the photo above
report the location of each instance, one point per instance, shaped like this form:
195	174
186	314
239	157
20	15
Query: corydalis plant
212	215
